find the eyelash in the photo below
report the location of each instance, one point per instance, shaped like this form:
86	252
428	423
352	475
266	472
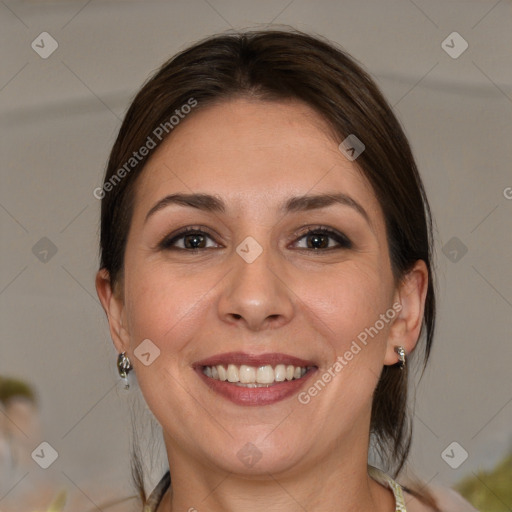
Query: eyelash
167	243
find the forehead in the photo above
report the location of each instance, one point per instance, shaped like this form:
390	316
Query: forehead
252	151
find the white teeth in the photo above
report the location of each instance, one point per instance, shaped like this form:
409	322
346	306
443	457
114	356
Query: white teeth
280	373
265	375
251	385
223	374
251	376
233	375
247	374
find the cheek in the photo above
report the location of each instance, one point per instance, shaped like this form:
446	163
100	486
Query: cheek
167	310
165	306
349	300
347	308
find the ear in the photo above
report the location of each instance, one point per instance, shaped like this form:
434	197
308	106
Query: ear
113	304
406	327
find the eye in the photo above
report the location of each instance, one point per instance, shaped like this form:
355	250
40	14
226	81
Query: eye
191	238
318	238
195	238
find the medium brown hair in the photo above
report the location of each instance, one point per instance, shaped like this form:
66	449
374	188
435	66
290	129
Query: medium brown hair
278	65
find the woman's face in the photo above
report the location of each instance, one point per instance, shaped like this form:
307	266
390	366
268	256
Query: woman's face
248	287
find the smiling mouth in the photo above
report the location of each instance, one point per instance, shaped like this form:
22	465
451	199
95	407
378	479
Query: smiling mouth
255	376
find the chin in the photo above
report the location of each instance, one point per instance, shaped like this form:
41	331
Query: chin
258	453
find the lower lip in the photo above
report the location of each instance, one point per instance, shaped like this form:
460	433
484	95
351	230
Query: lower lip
256	396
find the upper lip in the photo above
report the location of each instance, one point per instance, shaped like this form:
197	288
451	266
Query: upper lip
239	358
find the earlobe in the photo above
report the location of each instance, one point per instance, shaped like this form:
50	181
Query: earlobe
406	328
114	309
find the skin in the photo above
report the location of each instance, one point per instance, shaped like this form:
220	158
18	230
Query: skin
310	303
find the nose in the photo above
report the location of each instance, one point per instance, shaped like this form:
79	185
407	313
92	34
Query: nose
255	294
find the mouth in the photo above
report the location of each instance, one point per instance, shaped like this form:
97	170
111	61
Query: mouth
255	379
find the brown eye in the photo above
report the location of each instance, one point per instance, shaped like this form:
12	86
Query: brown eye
191	239
320	238
318	241
194	241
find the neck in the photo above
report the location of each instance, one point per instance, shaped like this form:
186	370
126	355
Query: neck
336	483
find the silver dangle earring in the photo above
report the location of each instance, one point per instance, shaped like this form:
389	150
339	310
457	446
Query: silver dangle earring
124	366
401	356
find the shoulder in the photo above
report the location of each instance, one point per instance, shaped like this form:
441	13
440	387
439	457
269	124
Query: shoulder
447	500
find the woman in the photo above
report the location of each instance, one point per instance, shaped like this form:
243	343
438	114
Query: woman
266	272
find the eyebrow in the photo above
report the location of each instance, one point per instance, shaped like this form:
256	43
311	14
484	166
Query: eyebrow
205	202
210	203
314	202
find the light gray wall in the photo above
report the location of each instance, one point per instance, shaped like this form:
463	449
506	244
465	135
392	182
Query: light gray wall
60	116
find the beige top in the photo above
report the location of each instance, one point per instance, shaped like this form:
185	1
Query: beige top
156	496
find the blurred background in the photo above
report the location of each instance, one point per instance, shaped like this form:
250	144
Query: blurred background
69	69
